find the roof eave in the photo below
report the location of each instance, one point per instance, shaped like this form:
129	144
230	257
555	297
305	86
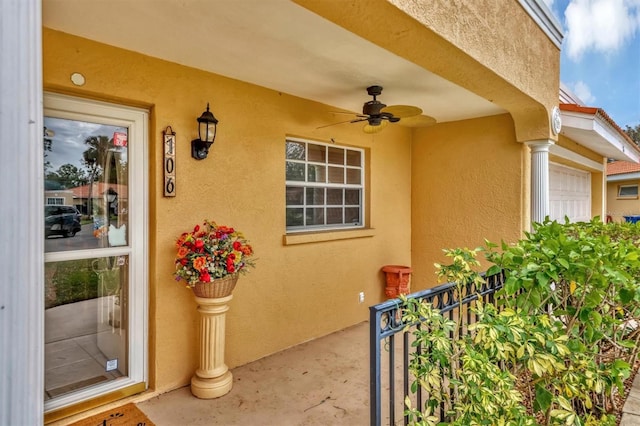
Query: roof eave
596	133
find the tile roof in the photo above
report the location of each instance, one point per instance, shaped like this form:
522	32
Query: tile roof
99	188
621	167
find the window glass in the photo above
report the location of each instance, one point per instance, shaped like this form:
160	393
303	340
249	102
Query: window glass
295	171
316	173
295	196
315	216
336	155
354	176
334	215
295	150
628	191
354	158
315	196
336	174
332	184
85	166
85	323
334	196
317	153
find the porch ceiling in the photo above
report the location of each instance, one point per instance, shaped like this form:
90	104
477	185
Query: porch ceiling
271	43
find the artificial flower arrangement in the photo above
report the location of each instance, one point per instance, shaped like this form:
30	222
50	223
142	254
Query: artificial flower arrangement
210	252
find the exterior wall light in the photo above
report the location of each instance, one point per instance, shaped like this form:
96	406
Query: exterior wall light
207	125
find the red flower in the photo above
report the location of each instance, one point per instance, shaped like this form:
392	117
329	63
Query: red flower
237	245
199	244
182	252
205	277
196	228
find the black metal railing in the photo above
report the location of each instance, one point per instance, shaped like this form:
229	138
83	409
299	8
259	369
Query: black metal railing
389	375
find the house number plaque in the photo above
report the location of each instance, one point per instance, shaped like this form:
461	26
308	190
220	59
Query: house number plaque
169	142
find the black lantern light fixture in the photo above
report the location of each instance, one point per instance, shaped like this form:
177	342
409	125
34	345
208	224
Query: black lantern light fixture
207	125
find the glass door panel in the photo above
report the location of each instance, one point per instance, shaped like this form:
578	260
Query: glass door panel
86	185
85	323
94	280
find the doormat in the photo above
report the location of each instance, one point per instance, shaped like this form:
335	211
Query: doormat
127	415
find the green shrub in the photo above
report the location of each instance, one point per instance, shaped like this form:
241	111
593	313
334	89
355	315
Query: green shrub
562	337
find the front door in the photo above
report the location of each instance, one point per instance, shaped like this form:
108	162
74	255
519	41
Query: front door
95	256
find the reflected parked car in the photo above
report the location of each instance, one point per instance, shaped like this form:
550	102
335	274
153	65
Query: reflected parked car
61	220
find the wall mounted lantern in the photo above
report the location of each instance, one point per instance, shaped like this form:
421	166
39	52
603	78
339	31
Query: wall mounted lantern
207	124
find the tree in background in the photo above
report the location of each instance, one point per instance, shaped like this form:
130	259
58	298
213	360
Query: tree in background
634	133
68	176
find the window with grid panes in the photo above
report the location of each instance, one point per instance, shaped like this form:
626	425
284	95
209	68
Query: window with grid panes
325	186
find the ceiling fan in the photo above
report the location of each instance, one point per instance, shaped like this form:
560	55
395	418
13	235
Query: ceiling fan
378	115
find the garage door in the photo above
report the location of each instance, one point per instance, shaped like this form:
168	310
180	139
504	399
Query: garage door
569	193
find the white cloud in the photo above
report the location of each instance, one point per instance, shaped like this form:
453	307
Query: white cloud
600	25
583	92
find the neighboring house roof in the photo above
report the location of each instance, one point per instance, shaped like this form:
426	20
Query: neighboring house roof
99	189
622	170
593	128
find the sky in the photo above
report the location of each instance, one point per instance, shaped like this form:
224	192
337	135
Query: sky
600	56
68	138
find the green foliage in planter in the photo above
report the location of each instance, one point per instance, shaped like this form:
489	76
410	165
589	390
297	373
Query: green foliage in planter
562	337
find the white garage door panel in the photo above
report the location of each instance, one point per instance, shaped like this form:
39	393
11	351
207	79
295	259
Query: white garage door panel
569	193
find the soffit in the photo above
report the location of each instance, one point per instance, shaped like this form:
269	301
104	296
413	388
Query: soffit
593	129
271	43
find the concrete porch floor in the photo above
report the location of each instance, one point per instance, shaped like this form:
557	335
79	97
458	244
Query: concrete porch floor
321	382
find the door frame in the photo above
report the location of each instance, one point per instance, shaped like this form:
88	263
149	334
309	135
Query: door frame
136	120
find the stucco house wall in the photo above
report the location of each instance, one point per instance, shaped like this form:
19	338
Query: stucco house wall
469	181
297	291
618	207
622	173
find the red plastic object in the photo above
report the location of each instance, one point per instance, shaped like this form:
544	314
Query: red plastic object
397	280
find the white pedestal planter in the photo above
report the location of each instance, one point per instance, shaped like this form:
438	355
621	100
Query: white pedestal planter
213	378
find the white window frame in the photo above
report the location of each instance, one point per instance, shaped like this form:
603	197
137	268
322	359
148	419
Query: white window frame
136	121
305	184
55	201
628	196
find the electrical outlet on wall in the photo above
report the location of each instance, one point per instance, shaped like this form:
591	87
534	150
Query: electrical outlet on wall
361	297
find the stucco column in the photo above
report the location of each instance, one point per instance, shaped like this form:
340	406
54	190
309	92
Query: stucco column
213	379
539	179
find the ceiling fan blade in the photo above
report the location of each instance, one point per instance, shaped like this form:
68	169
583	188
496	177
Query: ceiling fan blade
418	121
402	111
368	128
334	124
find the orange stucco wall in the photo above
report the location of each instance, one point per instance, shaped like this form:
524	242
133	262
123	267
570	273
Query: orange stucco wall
619	207
452	164
298	291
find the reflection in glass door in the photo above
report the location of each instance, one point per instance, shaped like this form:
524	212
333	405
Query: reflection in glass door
95	289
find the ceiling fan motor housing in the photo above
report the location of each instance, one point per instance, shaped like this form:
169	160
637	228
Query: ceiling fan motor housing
372	107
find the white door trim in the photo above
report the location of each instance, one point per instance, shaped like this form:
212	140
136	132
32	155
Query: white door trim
136	121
